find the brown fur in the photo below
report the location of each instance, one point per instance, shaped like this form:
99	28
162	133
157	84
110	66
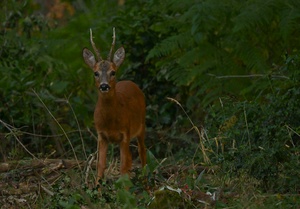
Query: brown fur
120	112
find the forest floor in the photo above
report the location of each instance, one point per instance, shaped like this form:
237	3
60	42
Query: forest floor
23	182
52	183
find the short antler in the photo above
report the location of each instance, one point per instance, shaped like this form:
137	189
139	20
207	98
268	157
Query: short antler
99	58
112	45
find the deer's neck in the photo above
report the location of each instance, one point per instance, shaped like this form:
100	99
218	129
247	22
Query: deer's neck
105	112
107	100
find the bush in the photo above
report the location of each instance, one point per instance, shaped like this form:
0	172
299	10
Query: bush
262	137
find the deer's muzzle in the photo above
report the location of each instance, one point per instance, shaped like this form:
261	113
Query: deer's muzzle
104	87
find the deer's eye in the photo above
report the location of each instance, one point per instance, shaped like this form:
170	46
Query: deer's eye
112	73
96	74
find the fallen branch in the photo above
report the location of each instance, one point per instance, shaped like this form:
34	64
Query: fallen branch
52	164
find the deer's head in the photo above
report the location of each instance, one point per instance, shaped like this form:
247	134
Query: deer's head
104	70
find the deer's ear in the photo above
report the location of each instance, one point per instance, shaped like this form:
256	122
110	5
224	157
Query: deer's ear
119	56
89	58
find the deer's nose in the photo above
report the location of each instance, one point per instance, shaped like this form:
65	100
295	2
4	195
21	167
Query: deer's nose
104	87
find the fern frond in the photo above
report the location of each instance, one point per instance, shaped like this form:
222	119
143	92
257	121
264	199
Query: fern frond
290	18
255	14
169	45
252	57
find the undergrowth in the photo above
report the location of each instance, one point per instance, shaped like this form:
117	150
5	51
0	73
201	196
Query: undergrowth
227	167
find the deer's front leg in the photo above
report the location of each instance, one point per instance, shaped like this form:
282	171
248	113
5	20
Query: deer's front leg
101	162
126	158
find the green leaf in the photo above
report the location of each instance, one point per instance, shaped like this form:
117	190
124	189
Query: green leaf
123	182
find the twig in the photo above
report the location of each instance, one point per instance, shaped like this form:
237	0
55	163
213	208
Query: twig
92	134
291	130
16	137
246	121
90	160
82	142
71	145
47	190
206	158
248	76
50	136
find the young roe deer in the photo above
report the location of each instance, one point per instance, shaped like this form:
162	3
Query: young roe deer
120	110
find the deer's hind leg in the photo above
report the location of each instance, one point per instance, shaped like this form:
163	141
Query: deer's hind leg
142	147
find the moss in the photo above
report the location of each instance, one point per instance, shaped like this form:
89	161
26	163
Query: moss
166	199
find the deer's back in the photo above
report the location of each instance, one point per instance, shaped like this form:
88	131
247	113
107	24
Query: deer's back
131	97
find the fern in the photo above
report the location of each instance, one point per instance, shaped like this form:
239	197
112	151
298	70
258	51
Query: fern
290	17
252	57
213	39
256	13
169	45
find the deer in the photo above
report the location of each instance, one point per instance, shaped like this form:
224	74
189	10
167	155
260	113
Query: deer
119	115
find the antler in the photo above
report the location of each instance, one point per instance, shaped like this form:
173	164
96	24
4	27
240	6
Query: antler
99	58
112	45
